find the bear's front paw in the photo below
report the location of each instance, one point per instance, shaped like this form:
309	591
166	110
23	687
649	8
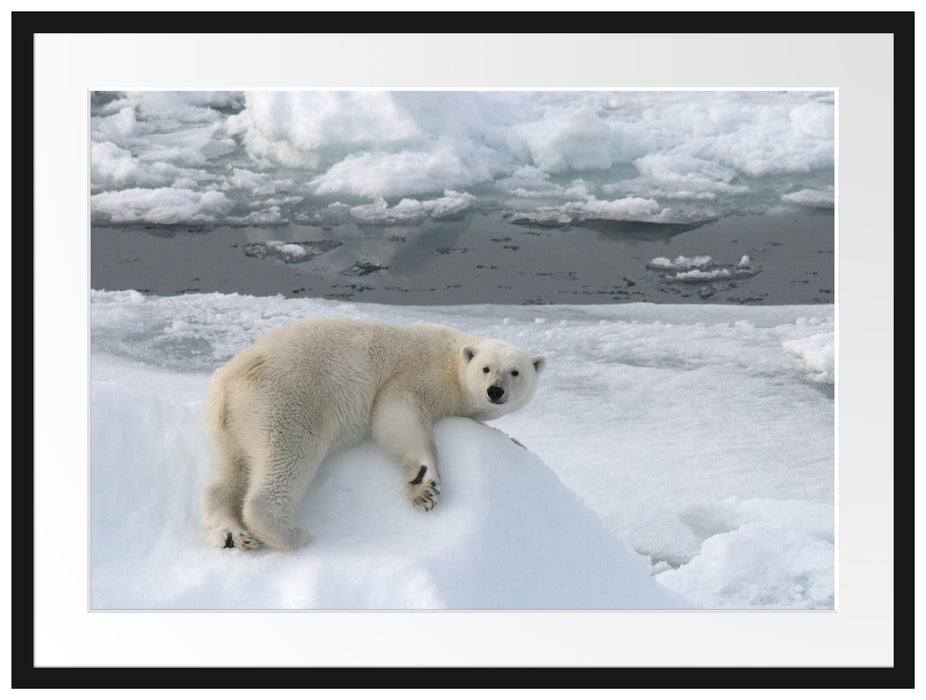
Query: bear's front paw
425	488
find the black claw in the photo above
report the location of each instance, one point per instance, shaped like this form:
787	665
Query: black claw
421	473
229	541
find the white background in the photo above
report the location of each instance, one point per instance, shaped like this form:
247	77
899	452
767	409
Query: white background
859	66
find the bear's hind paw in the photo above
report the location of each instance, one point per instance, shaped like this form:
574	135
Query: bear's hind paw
238	539
245	540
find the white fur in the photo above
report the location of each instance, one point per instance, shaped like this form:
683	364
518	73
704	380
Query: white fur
279	407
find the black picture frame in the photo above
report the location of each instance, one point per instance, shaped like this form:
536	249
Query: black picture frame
25	673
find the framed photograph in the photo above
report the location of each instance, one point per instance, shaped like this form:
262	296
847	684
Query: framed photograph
666	261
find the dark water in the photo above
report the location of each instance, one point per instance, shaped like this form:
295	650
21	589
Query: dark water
479	259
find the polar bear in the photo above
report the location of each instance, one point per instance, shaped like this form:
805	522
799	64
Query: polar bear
279	407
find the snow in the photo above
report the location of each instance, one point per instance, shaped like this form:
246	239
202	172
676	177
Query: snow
676	456
566	141
824	199
623	209
310	121
759	554
549	157
410	210
702	275
505	525
700	268
163	205
818	355
680	263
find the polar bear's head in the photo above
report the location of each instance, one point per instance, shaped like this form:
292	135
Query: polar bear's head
499	377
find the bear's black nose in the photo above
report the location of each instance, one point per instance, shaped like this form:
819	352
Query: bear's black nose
495	393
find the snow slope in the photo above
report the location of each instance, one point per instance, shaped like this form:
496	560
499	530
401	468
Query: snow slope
506	534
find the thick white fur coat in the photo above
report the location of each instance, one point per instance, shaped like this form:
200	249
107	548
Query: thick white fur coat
279	407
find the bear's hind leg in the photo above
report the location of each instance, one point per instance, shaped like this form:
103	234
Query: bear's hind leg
223	522
275	490
222	503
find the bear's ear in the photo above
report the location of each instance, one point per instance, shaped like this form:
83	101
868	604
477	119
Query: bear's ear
539	363
468	352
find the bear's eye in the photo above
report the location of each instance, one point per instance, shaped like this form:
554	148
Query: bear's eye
485	370
514	373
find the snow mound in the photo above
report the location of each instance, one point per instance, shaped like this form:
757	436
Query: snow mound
164	205
818	355
506	533
786	544
822	199
411	210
